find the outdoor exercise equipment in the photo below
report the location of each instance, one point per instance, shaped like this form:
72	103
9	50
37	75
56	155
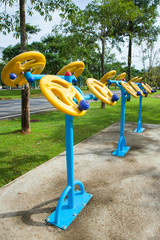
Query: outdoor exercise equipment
120	76
133	80
126	91
60	93
108	75
13	73
101	91
143	89
53	87
76	68
142	92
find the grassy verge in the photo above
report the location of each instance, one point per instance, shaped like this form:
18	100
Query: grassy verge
21	153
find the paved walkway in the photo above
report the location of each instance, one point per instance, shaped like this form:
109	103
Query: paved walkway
126	191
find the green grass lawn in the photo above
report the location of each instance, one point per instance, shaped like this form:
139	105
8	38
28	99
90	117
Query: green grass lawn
21	153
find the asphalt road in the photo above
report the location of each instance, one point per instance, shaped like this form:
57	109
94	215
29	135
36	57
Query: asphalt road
12	108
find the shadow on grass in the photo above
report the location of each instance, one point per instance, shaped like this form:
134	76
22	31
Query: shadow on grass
13	132
3	154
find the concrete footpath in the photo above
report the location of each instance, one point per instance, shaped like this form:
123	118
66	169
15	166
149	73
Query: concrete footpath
126	191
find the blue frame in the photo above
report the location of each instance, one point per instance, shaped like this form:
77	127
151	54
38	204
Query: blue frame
122	148
71	201
67	210
139	128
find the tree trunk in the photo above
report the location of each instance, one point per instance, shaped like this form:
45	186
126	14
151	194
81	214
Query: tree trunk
130	50
25	118
129	58
102	64
25	114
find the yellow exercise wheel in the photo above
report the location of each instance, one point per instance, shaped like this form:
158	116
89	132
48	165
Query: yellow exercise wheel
137	88
107	76
120	76
75	68
100	91
139	79
151	89
129	89
29	61
146	88
133	79
60	94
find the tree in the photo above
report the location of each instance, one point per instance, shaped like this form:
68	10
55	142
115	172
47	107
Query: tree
30	30
10	23
150	55
100	20
141	26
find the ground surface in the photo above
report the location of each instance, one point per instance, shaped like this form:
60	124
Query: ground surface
157	95
126	191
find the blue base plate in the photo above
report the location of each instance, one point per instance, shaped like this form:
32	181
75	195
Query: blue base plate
139	131
121	153
67	215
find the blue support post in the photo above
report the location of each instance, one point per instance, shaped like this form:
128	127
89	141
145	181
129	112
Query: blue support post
67	210
89	97
122	149
29	76
69	158
139	128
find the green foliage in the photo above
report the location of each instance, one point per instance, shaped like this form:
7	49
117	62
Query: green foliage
30	30
9	23
10	52
143	25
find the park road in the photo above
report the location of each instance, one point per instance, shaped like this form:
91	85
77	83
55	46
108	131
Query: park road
12	108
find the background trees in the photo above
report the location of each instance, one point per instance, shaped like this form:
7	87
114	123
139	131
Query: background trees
88	35
104	21
142	26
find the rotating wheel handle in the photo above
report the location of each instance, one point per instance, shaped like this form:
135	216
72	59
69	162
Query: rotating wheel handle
150	88
121	76
146	88
101	91
135	79
60	94
108	76
75	68
13	73
137	88
139	79
129	89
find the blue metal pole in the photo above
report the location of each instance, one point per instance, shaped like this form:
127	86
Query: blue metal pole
70	158
68	209
123	101
90	96
140	113
33	77
139	128
122	149
69	152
